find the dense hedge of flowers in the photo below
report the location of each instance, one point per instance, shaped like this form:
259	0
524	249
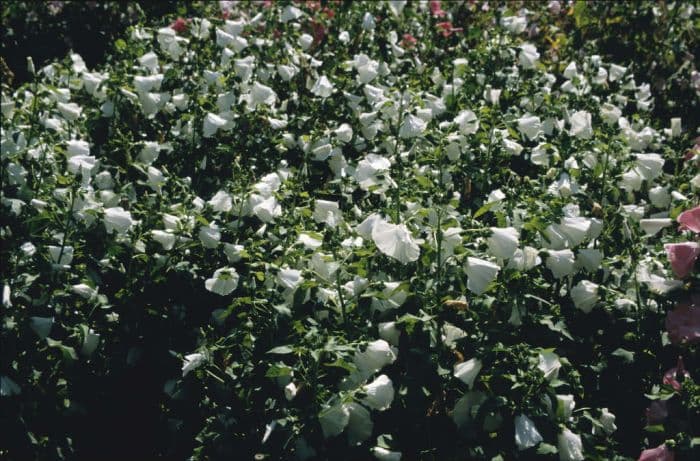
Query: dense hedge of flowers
306	231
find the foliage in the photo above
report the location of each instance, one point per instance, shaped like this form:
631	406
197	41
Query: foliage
344	231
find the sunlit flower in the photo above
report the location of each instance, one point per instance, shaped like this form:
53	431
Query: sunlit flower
380	393
223	282
467	371
395	241
480	273
192	362
585	295
570	446
526	434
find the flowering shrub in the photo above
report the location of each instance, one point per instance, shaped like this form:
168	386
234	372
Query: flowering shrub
306	231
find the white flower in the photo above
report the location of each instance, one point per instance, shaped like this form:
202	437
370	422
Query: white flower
514	24
528	56
616	72
83	290
467	371
286	72
549	364
368	22
394	296
192	362
367	69
659	197
581	126
589	259
266	209
585	295
212	123
65	254
8	387
323	87
526	434
290	391
118	220
360	424
503	242
389	332
570	446
380	393
233	252
166	239
156	179
334	419
149	61
467	122
289	278
561	262
397	6
525	259
412	126
649	166
653	226
223	282
565	406
41	326
530	126
324	265
607	419
290	13
369	169
305	41
309	241
344	133
76	147
261	94
221	202
70	110
382	454
513	148
395	241
377	355
90	343
210	236
610	113
328	213
480	273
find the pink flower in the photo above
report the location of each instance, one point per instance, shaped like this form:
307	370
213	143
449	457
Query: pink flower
683	323
682	257
657	412
690	220
660	453
446	28
180	25
409	41
670	377
436	9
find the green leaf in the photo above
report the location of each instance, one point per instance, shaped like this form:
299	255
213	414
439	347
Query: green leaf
559	327
624	354
277	371
280	350
546	449
484	209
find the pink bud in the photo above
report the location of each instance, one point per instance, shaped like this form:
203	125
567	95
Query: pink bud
682	257
660	453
